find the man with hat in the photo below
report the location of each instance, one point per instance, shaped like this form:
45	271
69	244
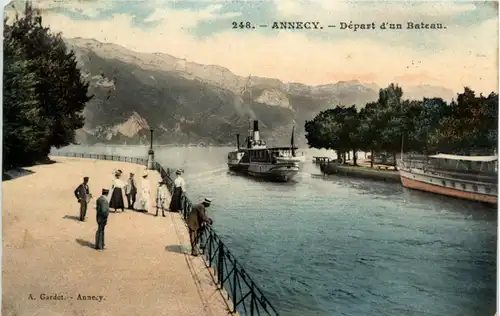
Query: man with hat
179	189
196	220
83	196
102	212
131	191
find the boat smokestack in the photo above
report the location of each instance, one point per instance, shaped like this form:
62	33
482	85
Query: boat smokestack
256	130
238	141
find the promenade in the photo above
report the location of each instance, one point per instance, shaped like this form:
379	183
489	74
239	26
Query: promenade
47	252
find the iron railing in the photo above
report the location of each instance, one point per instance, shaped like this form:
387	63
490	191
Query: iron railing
246	297
136	160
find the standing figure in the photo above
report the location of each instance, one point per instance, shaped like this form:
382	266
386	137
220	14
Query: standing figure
131	191
116	201
102	212
161	197
145	195
196	220
83	196
179	189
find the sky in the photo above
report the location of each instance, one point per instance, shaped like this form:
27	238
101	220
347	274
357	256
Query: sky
463	54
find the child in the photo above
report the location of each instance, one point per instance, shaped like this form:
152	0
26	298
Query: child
161	197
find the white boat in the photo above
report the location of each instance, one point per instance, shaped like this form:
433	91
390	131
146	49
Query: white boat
466	177
257	160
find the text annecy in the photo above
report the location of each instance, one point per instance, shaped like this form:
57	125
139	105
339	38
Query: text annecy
295	25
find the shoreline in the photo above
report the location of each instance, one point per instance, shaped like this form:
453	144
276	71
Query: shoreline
363	172
145	269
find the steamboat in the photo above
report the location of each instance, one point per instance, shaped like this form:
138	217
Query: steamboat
466	177
257	160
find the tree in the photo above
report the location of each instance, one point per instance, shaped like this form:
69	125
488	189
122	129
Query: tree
24	129
392	124
423	120
369	129
489	127
58	93
390	105
323	131
348	120
335	129
472	125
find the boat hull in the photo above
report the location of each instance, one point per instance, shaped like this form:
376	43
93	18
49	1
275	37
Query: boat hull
279	174
238	168
439	184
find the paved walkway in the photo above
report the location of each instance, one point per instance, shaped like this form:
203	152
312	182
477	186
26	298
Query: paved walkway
47	251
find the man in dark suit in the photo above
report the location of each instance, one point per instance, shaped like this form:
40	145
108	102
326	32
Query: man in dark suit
102	212
131	191
83	196
196	220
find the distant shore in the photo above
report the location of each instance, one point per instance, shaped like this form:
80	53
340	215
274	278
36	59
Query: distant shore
146	145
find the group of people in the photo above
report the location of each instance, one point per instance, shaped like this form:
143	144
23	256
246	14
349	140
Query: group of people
130	188
196	219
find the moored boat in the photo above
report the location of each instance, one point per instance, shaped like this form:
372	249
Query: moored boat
467	177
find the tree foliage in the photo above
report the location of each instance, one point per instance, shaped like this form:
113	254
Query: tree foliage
470	126
391	124
44	93
335	129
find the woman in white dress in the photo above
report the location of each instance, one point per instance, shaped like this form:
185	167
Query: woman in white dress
142	204
116	200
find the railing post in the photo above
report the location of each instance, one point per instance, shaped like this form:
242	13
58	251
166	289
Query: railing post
220	264
234	298
201	237
183	206
210	250
252	300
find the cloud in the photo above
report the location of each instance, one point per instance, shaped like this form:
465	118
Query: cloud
374	10
468	55
90	8
189	18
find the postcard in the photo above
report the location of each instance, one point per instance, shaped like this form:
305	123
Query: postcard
281	157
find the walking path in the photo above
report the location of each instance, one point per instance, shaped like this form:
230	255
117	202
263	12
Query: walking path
46	251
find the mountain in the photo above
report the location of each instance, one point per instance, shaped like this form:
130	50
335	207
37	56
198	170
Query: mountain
421	91
190	103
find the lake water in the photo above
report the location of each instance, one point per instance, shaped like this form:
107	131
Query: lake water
327	245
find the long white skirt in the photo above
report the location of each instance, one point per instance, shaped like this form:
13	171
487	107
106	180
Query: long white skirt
143	202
